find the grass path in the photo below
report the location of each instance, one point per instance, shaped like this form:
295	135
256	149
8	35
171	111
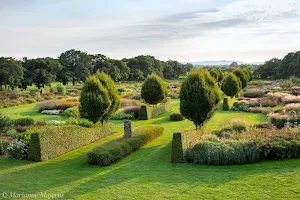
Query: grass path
148	174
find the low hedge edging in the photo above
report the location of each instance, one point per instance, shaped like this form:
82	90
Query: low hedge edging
111	152
51	142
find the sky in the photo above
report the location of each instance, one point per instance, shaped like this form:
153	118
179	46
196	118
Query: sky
183	30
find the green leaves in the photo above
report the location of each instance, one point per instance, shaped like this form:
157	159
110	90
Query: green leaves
154	90
199	97
231	85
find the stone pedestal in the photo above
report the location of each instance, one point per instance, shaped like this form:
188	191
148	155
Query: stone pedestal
127	128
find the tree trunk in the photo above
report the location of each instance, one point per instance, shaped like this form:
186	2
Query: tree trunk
196	127
73	81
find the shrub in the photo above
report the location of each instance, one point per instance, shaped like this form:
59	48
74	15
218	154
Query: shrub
111	152
30	100
50	142
61	90
231	85
112	90
13	95
85	124
129	102
72	112
95	101
241	106
226	104
181	143
292	107
18	149
146	112
5	125
25	121
278	119
132	109
176	117
154	90
254	93
120	115
238	148
242	76
264	110
236	125
199	97
55	105
295	90
21	128
41	123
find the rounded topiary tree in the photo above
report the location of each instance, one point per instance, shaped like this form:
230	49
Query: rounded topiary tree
231	85
154	90
112	89
199	97
94	100
242	76
61	90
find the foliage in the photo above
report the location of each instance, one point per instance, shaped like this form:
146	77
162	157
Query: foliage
241	106
154	90
120	115
61	90
112	90
11	72
231	85
77	66
199	97
146	112
25	121
242	76
85	124
111	152
95	101
5	124
18	149
237	147
51	142
55	105
72	112
176	117
254	93
40	71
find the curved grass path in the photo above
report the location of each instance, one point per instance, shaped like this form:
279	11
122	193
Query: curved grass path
147	173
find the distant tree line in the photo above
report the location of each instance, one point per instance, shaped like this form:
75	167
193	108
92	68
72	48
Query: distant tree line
75	66
280	68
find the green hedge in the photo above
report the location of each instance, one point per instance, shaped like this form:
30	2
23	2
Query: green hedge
51	142
181	143
111	152
235	148
146	112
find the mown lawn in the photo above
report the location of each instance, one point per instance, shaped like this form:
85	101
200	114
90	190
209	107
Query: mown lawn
29	110
148	174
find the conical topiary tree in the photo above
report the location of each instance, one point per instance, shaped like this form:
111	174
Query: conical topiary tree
94	100
199	97
110	85
231	85
154	90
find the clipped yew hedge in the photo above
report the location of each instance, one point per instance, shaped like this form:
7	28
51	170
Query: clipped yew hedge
51	142
111	152
146	112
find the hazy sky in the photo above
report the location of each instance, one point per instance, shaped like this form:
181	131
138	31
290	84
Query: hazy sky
184	30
